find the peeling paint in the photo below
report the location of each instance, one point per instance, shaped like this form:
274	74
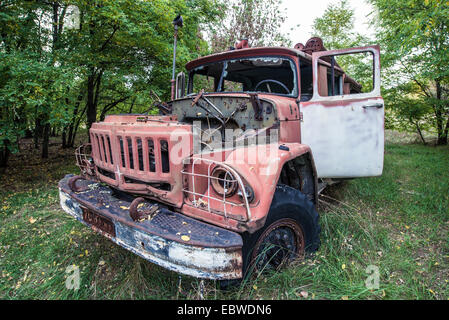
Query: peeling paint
196	261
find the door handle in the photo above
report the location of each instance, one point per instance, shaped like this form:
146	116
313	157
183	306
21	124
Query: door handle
376	105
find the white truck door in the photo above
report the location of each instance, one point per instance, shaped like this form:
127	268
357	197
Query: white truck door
343	125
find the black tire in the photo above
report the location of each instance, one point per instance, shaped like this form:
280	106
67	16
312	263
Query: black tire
288	205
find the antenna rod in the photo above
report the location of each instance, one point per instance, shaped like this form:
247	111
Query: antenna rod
177	22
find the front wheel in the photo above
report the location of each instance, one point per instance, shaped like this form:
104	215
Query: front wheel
281	242
291	230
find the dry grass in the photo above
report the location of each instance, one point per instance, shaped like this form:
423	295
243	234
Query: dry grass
398	222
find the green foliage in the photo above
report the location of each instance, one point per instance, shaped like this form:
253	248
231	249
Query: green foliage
132	42
408	109
65	59
124	50
414	35
30	89
32	86
336	28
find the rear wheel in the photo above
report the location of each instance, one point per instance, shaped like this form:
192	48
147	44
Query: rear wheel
291	230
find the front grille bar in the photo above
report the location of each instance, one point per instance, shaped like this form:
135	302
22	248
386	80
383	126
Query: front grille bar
238	179
101	146
142	154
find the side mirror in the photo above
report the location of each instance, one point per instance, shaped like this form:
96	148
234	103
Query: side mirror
180	85
178	21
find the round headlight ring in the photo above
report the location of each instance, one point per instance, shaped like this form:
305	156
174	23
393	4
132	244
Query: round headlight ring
223	182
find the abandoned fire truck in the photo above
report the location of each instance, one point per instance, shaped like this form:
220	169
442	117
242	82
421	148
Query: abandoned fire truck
174	189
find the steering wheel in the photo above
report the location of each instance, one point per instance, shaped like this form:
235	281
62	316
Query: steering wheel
274	81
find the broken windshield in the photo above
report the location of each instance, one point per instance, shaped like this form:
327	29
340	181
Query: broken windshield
274	75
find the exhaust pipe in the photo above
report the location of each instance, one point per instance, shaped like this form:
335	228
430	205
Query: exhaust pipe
178	23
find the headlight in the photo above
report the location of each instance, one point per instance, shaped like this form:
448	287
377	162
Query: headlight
249	193
223	182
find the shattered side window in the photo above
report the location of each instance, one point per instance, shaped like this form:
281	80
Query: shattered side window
205	77
262	74
306	76
345	74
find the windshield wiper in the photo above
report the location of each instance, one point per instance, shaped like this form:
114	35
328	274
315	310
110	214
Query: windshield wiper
196	101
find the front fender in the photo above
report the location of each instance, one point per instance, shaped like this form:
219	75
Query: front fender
261	166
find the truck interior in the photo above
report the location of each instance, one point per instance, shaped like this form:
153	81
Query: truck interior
277	76
259	74
332	79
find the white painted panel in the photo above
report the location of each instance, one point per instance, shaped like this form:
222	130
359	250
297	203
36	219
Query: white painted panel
346	141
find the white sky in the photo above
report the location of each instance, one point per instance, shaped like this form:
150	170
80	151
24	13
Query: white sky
303	12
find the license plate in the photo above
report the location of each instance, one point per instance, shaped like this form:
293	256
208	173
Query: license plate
99	222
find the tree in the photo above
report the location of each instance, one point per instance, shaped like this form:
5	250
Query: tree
407	110
32	84
336	28
415	38
118	57
258	21
125	48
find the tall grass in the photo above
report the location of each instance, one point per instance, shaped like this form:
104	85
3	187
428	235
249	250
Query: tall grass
398	223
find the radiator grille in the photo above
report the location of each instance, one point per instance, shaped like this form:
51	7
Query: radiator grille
137	158
138	153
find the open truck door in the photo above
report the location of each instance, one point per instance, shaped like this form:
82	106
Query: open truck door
343	122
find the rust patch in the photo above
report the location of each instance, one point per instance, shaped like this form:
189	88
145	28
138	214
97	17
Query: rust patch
72	184
144	213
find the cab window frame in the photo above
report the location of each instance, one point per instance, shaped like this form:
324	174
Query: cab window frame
294	63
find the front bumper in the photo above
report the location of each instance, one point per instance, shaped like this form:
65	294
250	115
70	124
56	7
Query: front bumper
170	239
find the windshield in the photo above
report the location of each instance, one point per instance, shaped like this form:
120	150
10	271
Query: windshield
259	74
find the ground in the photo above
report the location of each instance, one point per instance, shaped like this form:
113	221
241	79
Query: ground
398	223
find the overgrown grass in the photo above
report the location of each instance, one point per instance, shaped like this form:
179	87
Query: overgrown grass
398	222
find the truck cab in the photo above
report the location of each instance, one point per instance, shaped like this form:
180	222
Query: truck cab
226	178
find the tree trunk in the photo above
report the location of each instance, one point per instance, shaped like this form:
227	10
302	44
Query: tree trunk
420	133
110	106
37	131
132	105
445	133
45	141
55	27
440	117
71	133
64	138
74	129
4	154
91	107
36	139
93	92
442	139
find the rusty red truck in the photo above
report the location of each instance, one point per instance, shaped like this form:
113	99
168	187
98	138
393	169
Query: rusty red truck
226	178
